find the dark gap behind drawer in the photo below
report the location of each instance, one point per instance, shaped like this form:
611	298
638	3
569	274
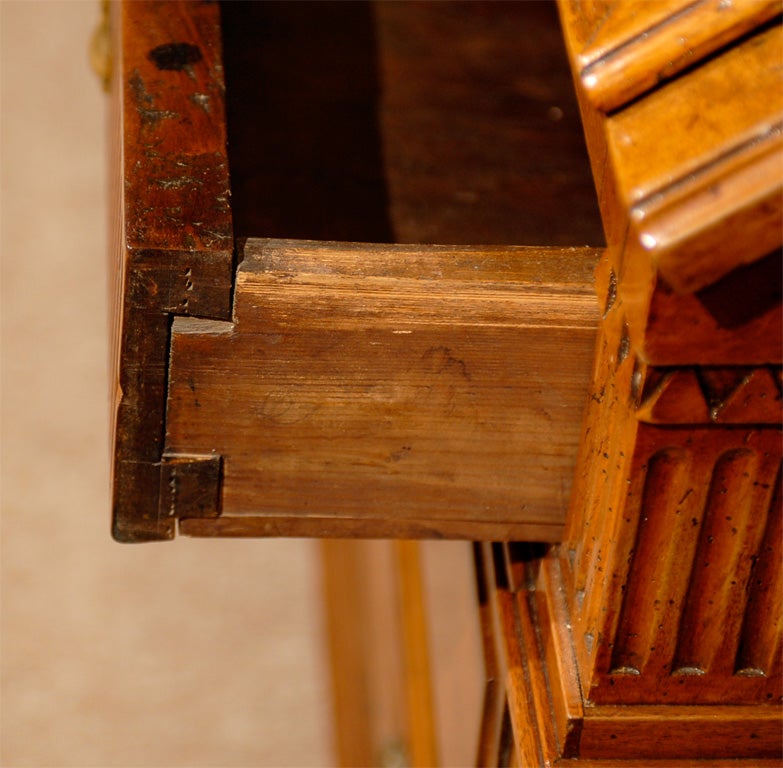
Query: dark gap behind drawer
431	122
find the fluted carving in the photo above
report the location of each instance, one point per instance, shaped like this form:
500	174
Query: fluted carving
671	546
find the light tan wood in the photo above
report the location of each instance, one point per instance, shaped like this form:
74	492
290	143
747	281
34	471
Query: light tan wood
365	624
417	675
389	390
682	213
349	650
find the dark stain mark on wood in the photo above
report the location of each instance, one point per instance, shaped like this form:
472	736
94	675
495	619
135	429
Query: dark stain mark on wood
441	360
175	56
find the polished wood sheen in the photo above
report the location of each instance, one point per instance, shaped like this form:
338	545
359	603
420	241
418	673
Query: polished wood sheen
648	618
295	376
622	48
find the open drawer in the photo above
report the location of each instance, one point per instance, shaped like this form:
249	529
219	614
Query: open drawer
310	387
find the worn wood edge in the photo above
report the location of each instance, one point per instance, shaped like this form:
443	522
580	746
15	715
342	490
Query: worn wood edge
596	141
518	661
322	260
368	527
522	715
153	277
520	288
639	62
173	93
733	82
154	291
548	287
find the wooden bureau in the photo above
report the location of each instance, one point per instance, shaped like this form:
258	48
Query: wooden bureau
371	285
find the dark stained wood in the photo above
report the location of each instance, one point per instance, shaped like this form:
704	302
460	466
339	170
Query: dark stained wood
447	122
175	248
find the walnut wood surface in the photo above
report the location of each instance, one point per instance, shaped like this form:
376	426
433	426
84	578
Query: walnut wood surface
175	255
621	49
681	214
719	171
389	390
549	731
654	631
654	601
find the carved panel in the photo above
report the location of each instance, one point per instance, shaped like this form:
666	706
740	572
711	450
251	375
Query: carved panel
666	601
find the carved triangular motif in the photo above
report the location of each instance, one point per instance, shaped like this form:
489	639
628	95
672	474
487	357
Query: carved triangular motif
757	401
719	384
678	399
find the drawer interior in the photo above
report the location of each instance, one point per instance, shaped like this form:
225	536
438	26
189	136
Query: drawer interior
417	122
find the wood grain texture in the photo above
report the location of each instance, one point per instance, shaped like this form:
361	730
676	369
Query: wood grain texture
651	734
345	572
493	718
694	221
718	175
363	619
635	578
175	255
623	49
660	732
676	497
393	391
732	395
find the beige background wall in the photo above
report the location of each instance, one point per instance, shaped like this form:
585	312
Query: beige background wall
191	653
